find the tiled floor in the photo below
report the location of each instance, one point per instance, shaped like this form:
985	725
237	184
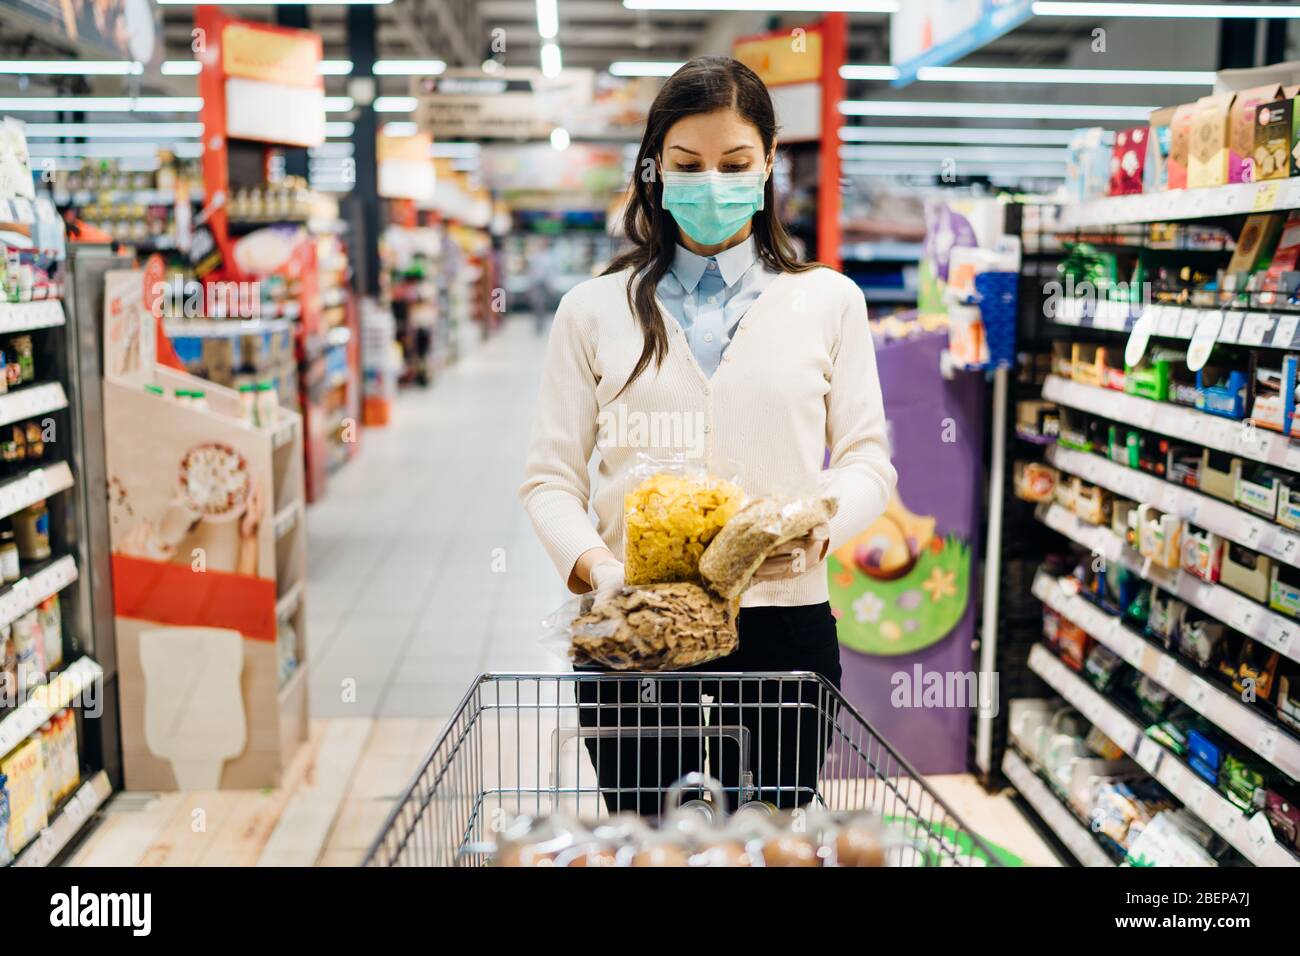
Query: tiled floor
423	572
423	569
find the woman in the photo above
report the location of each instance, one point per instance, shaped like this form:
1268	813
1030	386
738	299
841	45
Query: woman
709	319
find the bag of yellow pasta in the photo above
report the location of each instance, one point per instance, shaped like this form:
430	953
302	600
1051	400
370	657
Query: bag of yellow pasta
672	511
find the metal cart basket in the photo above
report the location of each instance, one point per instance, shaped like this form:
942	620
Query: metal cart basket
588	743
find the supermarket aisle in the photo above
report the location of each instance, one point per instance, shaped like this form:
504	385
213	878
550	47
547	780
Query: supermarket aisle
423	570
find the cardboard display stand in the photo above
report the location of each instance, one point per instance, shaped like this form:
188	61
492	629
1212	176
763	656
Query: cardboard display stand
209	560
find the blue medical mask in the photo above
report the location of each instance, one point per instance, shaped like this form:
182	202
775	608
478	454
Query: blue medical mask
713	206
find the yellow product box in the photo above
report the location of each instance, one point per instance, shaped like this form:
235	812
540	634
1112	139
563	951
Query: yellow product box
28	810
1207	155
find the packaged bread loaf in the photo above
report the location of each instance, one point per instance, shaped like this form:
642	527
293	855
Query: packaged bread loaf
757	530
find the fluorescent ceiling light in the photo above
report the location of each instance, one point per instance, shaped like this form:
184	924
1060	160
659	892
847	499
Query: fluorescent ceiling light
154	131
1044	111
400	129
769	6
643	68
334	68
976	153
408	67
330	151
1173	11
952	134
272	3
181	67
101	104
395	104
340	128
454	150
93	150
1007	74
72	67
548	19
1021	170
560	139
338	104
551	60
867	71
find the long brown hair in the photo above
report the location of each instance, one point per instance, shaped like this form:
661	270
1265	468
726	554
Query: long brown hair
702	85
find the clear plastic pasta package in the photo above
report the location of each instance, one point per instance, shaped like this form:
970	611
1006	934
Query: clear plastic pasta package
759	528
673	508
646	627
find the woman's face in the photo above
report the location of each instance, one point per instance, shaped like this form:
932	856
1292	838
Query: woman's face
722	140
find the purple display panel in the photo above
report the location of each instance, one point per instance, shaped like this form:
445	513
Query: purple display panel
904	591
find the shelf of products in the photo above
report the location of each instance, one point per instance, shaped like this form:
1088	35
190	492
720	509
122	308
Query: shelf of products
1226	200
30	316
1076	837
1226	711
1251	328
1177	421
1254	841
1271	629
67	822
1212	514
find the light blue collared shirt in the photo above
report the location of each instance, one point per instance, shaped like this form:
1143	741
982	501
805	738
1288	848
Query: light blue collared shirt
709	296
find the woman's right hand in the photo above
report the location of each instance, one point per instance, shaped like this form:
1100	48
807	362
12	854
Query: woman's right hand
607	579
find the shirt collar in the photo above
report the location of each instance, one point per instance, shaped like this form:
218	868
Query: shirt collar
733	263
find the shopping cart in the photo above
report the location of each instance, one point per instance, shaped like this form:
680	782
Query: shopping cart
586	743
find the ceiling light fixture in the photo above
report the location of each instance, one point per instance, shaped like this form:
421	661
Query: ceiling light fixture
395	104
643	68
155	131
408	67
454	150
339	128
1169	11
552	63
951	134
1043	111
334	68
560	139
338	104
993	154
101	104
769	6
71	67
1007	74
548	19
400	129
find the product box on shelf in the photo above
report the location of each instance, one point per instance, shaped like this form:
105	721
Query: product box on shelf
1254	246
1155	171
1035	481
1150	377
1090	363
1256	669
29	808
1121	521
1241	131
1202	552
1277	134
1076	430
1207	161
1205	750
1183	466
1119	448
1281	278
1200	638
1246	572
1088	163
1218	475
1128	161
1183	388
1092	504
1258	488
1288	694
1157	535
1164	617
1063	358
1288	501
1066	491
1037	419
1284	591
1073	644
1223	383
200	482
1181	123
1149	451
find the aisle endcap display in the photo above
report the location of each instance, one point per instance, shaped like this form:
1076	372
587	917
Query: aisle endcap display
209	565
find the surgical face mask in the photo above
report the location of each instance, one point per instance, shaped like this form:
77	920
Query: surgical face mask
713	206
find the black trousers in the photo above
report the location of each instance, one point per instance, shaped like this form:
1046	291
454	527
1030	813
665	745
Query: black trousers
760	738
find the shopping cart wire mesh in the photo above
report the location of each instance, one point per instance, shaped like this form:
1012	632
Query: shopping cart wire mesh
591	744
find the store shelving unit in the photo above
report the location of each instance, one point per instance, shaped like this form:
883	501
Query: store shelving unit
1182	204
1257	845
1073	833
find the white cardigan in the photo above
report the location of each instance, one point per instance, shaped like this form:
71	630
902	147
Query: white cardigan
798	377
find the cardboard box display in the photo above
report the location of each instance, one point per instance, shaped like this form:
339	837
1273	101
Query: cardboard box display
1219	473
1257	490
1246	572
1288	503
1273	403
1207	156
1255	244
1284	590
1280	277
1241	131
28	807
1158	536
1275	138
1128	160
1202	552
1155	171
1180	145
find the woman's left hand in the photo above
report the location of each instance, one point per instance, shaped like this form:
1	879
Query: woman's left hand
795	557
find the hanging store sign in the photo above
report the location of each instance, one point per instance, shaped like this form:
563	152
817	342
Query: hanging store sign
274	92
405	167
934	32
789	62
511	104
